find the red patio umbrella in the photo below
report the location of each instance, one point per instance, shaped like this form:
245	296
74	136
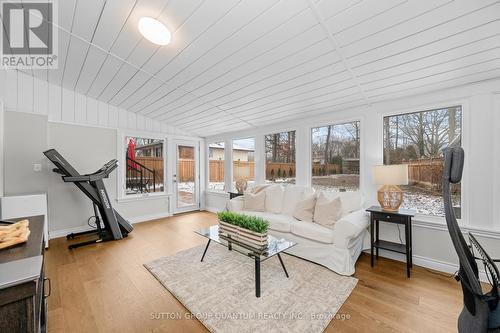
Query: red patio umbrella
131	153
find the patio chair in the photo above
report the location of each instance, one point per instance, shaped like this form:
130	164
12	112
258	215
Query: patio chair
481	311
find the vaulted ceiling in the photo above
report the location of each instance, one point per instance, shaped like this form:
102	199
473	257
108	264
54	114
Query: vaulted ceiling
237	64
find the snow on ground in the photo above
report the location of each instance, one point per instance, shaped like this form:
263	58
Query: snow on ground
427	204
186	187
217	187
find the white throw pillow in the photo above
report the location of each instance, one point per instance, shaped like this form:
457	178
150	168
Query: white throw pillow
274	198
293	194
255	202
326	211
351	201
304	210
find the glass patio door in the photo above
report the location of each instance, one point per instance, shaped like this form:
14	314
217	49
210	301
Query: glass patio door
186	177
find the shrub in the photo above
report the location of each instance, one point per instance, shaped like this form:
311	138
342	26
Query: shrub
252	223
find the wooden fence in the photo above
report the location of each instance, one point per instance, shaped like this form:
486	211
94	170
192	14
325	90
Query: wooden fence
241	170
280	170
216	170
425	172
326	169
185	170
153	163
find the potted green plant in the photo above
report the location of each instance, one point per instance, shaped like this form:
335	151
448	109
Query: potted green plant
227	224
250	230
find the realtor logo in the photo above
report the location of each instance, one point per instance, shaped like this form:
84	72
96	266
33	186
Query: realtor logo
29	37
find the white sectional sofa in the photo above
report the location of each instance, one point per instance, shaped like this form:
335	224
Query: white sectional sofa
336	248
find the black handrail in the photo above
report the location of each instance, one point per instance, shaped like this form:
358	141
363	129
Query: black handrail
132	165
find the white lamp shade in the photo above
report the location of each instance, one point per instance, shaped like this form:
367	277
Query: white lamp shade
396	174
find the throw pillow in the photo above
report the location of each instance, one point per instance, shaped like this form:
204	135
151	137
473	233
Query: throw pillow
259	188
326	211
255	202
274	198
293	194
304	210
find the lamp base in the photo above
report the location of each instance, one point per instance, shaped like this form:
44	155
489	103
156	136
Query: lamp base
390	197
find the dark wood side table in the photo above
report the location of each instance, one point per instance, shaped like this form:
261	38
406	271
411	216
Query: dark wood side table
402	216
233	195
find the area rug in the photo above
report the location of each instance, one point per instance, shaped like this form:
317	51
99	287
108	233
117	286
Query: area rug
220	291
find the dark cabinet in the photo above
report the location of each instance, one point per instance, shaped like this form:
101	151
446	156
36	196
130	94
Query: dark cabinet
23	286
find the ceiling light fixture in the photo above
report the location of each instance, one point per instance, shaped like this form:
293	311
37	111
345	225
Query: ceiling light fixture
154	31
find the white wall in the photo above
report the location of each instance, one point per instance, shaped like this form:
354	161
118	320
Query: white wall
2	123
481	184
23	93
25	138
84	130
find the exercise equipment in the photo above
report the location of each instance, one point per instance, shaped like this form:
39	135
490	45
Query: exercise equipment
481	310
113	226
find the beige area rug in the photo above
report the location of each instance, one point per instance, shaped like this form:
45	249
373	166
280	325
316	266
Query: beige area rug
220	291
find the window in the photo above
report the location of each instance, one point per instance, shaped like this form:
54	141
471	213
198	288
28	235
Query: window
280	157
417	139
243	161
335	157
216	166
144	167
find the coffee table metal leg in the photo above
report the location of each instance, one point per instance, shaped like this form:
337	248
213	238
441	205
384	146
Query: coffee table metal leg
257	277
283	265
206	248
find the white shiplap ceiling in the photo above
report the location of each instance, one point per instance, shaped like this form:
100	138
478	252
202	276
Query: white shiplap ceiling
237	64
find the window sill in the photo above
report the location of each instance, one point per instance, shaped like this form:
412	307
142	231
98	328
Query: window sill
217	193
138	197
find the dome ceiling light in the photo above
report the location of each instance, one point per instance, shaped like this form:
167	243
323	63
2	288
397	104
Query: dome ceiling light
154	31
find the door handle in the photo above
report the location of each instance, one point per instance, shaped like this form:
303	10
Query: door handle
49	288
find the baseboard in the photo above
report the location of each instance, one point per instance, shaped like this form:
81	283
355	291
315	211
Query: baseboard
132	220
437	265
213	209
64	232
146	218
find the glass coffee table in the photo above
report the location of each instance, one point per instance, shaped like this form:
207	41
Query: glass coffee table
274	248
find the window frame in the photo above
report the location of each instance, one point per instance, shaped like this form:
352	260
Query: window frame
232	186
297	132
120	181
433	219
207	154
361	187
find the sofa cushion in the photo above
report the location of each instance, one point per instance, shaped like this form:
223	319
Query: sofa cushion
351	201
254	202
274	198
293	194
277	222
327	211
304	210
313	231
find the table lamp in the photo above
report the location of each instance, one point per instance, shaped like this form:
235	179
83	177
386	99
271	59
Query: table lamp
390	195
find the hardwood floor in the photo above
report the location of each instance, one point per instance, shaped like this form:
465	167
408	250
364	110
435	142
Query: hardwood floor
105	288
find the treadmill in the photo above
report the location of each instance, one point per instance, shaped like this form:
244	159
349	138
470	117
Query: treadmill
115	226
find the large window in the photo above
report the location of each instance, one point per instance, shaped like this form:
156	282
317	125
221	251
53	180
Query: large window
417	139
280	157
335	157
244	161
144	165
216	166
